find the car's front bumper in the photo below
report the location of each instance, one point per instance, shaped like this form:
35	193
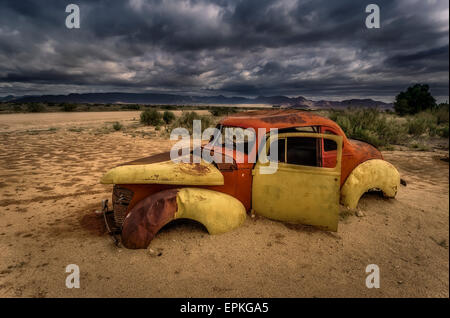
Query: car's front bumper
113	231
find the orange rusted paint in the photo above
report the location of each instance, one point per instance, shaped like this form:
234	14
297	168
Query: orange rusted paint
354	152
148	217
278	119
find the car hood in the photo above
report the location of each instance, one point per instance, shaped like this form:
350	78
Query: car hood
146	171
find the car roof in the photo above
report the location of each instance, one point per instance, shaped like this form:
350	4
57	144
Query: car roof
286	118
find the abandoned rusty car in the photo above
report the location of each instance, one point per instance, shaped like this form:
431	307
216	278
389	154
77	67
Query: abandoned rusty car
318	167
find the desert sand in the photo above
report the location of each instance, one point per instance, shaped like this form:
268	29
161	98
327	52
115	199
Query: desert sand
50	166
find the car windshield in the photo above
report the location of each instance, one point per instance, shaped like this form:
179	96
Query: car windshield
234	137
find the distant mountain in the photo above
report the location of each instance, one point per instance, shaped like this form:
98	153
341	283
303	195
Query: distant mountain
173	99
7	98
369	103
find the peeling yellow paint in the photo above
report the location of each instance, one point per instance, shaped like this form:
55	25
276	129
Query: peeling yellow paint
371	174
218	212
166	172
300	194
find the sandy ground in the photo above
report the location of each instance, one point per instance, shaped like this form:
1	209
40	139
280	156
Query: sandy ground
49	191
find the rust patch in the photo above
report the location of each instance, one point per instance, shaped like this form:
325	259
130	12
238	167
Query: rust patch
194	169
365	148
147	217
285	118
288	118
226	166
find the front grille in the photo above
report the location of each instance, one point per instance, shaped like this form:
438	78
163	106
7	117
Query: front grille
121	199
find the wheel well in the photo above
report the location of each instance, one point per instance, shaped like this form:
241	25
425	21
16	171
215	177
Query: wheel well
371	174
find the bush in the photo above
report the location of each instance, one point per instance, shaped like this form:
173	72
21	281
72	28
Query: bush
369	125
441	113
132	107
186	120
418	124
381	129
443	131
424	122
151	117
35	107
168	117
117	126
69	107
169	107
419	147
222	111
17	108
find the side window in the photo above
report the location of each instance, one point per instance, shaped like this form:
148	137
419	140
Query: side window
303	151
328	144
281	150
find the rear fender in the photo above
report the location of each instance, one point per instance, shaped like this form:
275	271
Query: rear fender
371	174
218	212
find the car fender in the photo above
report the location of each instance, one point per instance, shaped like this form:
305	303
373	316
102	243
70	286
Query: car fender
371	174
218	212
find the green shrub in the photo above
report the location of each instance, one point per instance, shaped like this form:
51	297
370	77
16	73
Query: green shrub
117	126
419	147
35	107
369	125
441	113
168	117
17	108
69	107
76	129
169	107
382	129
222	111
186	120
132	107
151	117
424	122
416	126
443	131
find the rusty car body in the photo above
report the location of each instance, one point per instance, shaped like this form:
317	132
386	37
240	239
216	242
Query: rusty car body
318	168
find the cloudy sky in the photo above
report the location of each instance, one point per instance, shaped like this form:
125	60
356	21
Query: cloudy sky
318	49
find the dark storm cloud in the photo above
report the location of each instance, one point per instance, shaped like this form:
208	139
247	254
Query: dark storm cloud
247	47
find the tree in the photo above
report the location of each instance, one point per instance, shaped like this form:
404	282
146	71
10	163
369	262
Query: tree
415	99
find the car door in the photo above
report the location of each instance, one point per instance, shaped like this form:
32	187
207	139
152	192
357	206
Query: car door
300	190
